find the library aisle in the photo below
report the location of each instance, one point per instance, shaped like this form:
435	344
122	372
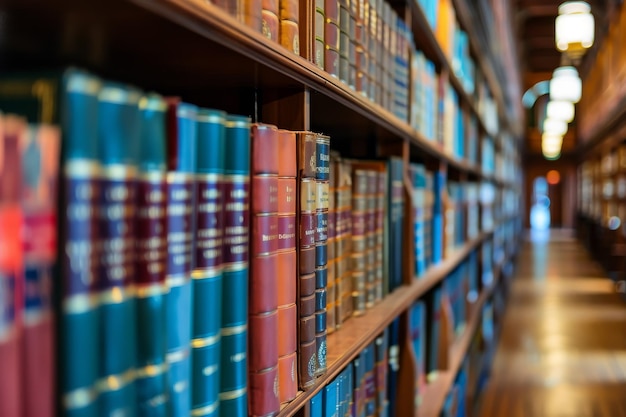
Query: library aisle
562	350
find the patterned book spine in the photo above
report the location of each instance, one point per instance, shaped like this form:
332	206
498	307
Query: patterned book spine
181	154
80	347
150	258
270	24
379	248
331	296
207	269
322	176
289	25
40	165
234	331
286	267
381	354
319	28
344	40
12	133
331	37
119	130
263	305
359	244
370	238
343	269
307	349
370	380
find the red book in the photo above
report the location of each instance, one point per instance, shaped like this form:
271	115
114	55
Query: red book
287	272
263	294
40	154
12	131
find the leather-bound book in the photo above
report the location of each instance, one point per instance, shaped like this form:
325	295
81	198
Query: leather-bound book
119	132
207	265
150	259
263	304
289	25
319	28
181	155
343	264
287	267
331	305
234	331
306	207
12	131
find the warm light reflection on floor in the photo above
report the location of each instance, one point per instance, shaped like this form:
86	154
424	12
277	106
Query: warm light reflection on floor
562	352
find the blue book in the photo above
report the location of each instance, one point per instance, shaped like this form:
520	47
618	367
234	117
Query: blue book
439	184
435	323
182	138
418	338
151	227
234	335
119	132
330	399
207	269
317	404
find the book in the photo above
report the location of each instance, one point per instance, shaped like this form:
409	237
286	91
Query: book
395	221
331	306
359	243
331	37
289	25
343	240
322	175
319	28
119	130
181	156
12	131
234	335
287	267
381	369
207	262
417	329
151	253
40	154
263	337
316	404
307	192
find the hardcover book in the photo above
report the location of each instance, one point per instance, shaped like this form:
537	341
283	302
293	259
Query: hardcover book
151	253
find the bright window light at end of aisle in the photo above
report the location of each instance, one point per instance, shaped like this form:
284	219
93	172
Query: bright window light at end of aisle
574	27
565	85
560	110
554	127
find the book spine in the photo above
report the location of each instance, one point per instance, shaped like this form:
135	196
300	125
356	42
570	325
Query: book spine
370	238
381	355
270	23
307	348
234	328
289	25
318	32
396	221
394	364
344	41
80	347
379	236
330	399
437	239
207	268
39	196
263	305
316	405
287	270
12	129
182	138
331	37
151	253
119	129
331	299
322	176
345	245
359	243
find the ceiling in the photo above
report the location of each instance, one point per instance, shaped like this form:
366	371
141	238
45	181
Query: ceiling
537	53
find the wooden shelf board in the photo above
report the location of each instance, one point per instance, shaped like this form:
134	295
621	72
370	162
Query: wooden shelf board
354	335
435	393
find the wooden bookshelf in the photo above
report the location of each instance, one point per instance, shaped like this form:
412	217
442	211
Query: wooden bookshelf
345	344
434	395
193	49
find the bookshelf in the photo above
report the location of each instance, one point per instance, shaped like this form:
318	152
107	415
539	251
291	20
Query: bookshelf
601	132
194	49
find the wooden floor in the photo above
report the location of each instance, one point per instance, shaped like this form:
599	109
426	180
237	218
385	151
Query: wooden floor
562	350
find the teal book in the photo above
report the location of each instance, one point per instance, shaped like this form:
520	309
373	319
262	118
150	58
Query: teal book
316	404
181	155
234	323
119	130
207	271
395	221
151	247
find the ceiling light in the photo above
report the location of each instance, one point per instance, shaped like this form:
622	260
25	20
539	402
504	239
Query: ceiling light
565	85
574	28
551	140
560	110
554	127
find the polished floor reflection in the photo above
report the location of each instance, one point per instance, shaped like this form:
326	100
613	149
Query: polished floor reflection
562	351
